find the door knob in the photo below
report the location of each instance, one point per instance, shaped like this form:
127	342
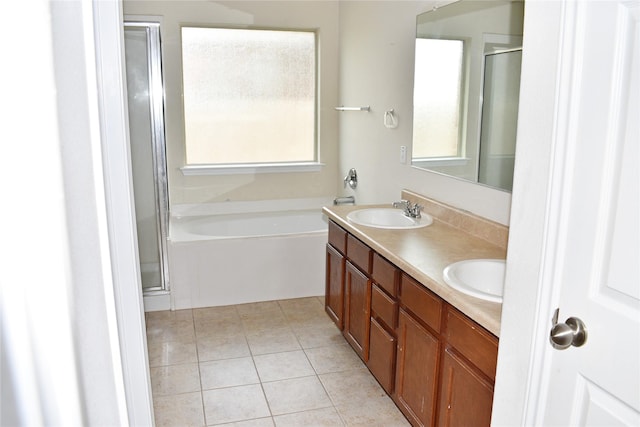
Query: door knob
570	333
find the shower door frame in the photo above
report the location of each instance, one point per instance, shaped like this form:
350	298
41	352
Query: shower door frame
158	141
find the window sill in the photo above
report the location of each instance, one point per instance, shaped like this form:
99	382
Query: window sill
250	169
441	161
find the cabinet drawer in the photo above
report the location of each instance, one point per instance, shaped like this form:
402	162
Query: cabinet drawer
385	275
424	304
384	307
472	341
337	237
359	254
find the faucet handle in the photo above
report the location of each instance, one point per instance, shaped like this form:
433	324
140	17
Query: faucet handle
351	179
415	210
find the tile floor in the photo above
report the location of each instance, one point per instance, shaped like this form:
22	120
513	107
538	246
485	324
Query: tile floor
276	363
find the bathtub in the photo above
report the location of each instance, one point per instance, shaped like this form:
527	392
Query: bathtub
217	260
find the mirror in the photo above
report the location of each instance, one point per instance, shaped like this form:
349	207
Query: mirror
466	90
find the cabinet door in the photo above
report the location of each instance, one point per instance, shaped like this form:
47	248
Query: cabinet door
382	352
465	395
334	292
357	306
416	371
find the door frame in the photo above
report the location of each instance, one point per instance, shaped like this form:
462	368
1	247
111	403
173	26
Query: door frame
122	235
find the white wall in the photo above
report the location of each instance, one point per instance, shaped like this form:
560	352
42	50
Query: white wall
377	40
372	43
320	15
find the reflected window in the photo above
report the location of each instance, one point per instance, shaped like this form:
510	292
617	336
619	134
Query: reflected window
249	96
438	86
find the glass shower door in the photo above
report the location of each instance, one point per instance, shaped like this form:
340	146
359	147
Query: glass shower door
147	142
501	95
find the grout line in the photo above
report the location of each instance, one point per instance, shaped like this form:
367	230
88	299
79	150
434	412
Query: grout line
195	334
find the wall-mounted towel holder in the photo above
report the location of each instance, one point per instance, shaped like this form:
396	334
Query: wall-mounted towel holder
342	108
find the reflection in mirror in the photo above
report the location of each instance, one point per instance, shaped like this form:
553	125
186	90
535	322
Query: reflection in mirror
466	90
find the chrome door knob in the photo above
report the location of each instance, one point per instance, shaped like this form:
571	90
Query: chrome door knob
570	333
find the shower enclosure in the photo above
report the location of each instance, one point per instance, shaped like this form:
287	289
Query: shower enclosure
501	95
147	141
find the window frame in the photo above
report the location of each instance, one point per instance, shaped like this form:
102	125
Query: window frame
257	167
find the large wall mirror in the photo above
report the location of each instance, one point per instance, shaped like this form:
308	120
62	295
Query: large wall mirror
466	90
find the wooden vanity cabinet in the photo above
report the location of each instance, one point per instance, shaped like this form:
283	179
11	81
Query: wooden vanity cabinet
357	303
437	364
348	287
419	348
335	272
357	296
466	396
334	293
467	374
384	320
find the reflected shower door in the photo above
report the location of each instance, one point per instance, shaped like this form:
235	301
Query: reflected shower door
501	95
146	131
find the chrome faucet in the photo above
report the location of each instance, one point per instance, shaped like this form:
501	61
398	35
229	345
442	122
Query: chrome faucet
351	179
410	209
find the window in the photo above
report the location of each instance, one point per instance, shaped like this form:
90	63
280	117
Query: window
249	96
438	98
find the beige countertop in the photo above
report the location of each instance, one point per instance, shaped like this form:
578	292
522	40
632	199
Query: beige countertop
424	252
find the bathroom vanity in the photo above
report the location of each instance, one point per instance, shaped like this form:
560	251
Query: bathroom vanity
431	348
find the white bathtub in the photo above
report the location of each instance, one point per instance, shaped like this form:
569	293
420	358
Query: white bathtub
227	259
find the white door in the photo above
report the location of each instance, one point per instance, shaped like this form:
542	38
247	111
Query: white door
574	240
597	274
590	267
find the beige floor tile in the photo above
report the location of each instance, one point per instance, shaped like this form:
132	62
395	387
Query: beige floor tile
276	340
318	335
256	307
228	373
284	358
333	358
179	410
167	316
171	353
175	379
326	417
304	312
264	323
227	312
233	404
380	412
295	306
222	347
282	366
261	316
296	395
258	422
356	386
217	327
182	331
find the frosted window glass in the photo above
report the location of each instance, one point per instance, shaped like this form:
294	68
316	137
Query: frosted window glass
437	92
249	96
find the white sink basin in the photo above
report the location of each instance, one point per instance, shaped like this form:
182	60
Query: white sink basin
387	218
481	278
